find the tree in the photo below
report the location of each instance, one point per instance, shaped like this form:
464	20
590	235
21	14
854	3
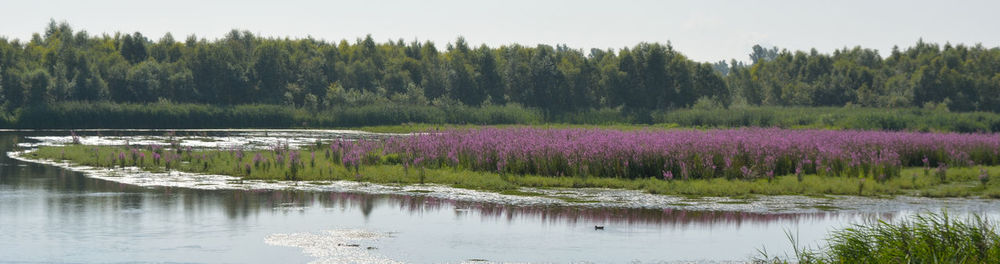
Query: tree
708	84
656	87
270	70
88	84
3	100
721	67
39	82
462	75
545	79
488	80
133	48
144	82
759	54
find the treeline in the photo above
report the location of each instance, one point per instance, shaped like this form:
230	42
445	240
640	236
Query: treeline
63	65
958	77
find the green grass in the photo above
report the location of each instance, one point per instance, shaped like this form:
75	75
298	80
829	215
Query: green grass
960	182
922	238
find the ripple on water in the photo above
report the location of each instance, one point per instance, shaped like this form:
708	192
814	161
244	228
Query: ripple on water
336	246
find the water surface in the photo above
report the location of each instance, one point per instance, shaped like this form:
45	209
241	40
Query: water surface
50	214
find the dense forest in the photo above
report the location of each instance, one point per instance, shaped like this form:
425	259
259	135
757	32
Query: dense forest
63	66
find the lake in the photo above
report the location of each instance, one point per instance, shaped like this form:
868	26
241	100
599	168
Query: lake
52	214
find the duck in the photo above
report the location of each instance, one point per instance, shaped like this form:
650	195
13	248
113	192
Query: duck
598	227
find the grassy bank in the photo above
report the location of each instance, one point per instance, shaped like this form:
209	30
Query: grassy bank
302	165
400	117
922	238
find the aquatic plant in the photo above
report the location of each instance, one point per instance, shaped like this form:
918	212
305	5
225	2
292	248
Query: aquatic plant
921	238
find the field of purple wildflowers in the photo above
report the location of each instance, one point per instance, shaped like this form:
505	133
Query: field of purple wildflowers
748	153
682	162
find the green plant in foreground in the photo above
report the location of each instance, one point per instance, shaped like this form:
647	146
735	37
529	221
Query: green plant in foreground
921	238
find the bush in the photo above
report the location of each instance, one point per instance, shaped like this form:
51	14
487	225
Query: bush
910	119
176	115
171	115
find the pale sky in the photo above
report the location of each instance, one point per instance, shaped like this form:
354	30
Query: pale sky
702	30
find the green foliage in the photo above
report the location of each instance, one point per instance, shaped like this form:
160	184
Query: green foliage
174	115
910	119
961	77
921	238
560	83
705	114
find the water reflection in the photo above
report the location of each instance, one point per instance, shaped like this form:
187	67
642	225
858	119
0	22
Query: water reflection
79	193
49	214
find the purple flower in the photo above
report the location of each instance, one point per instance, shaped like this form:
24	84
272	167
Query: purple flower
693	153
668	175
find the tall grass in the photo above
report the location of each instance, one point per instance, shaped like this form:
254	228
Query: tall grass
909	119
922	238
174	115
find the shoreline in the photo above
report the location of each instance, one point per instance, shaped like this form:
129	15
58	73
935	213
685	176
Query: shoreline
570	197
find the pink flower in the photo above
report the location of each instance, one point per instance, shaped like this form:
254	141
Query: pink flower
668	175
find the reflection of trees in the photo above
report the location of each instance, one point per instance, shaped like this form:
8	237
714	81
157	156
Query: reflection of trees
666	217
243	201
